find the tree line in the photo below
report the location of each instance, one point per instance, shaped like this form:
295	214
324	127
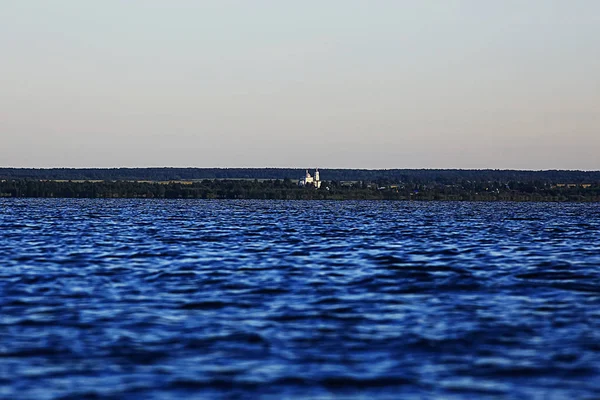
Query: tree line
384	176
287	189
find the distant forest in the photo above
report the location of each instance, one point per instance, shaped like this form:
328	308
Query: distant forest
382	176
424	185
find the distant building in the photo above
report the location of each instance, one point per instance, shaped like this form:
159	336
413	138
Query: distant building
309	180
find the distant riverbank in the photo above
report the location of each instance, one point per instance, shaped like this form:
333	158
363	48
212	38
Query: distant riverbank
287	189
389	176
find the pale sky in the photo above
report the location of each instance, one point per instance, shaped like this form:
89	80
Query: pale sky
331	83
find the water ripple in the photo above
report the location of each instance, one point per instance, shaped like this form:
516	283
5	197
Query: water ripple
281	299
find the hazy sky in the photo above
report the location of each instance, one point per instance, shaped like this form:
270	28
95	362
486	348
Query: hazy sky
282	83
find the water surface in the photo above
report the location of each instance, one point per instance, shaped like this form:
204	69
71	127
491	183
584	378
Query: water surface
282	299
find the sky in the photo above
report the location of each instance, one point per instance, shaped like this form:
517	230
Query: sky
330	83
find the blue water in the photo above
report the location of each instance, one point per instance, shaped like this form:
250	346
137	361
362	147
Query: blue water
148	299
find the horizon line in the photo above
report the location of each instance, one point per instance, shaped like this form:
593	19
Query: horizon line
304	167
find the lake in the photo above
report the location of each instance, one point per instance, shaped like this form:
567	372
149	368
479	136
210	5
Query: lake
179	299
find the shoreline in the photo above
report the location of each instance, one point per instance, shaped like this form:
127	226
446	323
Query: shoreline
289	190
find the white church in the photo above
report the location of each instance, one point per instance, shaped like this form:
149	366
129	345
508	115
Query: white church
308	179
